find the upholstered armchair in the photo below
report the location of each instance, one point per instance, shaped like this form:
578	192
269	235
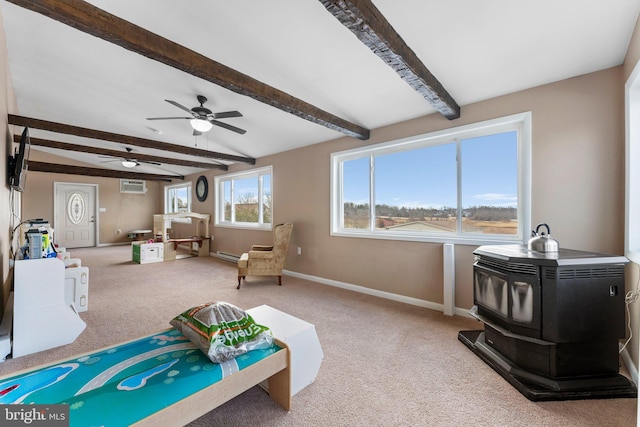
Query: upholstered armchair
266	260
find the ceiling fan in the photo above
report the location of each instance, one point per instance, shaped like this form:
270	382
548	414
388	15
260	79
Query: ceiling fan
202	119
129	161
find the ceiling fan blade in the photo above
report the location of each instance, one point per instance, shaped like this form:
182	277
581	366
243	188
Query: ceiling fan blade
149	162
168	118
227	114
228	126
182	107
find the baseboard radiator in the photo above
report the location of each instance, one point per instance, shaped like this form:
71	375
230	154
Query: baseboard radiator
227	256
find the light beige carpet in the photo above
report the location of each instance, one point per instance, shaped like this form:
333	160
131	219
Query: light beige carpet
385	363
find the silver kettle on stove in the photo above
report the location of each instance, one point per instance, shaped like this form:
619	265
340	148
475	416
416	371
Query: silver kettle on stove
541	242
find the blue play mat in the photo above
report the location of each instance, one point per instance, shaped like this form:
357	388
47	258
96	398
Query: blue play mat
120	385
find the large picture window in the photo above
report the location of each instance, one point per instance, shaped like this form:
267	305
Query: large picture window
244	199
467	184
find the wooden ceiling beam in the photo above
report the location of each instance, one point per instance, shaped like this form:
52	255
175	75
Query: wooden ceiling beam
99	23
373	29
122	139
107	173
113	153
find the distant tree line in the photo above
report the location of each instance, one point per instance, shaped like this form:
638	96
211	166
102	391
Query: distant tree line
491	213
247	208
476	213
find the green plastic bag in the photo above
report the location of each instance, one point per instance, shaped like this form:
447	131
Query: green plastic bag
222	330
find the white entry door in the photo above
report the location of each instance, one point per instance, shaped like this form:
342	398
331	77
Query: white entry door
75	215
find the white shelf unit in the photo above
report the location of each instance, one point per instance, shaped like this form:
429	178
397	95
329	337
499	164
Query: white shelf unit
41	317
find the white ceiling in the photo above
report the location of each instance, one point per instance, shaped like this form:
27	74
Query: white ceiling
476	49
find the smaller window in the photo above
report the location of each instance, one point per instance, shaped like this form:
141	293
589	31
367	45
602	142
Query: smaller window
244	199
177	199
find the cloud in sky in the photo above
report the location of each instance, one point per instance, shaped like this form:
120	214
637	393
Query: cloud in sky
493	197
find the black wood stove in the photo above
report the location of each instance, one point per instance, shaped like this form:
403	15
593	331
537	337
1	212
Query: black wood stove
552	321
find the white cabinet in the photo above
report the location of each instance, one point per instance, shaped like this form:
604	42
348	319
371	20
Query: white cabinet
41	317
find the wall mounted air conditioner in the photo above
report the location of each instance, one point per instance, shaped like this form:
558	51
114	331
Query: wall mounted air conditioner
135	186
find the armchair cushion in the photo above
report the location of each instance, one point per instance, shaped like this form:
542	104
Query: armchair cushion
260	255
261	248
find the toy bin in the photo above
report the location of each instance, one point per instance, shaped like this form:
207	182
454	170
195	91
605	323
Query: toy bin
144	253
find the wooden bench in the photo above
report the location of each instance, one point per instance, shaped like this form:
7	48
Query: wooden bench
171	247
177	242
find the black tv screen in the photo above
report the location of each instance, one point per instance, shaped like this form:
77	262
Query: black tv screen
18	165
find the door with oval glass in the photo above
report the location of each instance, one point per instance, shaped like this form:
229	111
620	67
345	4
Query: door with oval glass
75	215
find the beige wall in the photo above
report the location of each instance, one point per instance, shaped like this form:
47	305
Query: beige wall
7	105
122	212
578	160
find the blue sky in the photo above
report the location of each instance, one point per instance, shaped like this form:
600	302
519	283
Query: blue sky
427	177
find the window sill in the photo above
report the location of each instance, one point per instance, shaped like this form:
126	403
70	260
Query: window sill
474	240
245	226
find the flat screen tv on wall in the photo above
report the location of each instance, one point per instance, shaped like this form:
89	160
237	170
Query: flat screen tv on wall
18	163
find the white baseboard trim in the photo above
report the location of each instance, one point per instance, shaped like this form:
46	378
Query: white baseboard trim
101	245
382	294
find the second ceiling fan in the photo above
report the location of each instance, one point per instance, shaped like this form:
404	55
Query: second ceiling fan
129	160
202	119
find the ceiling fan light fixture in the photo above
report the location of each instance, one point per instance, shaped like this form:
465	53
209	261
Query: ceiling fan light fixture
201	125
129	164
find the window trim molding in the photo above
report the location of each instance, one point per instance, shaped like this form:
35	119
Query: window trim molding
522	120
185	184
632	166
219	198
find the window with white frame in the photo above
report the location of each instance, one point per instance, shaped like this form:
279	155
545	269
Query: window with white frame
469	184
244	199
177	198
632	158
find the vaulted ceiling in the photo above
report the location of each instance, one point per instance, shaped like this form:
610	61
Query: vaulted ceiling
300	72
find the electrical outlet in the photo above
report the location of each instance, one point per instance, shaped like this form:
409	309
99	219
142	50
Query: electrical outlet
299	250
